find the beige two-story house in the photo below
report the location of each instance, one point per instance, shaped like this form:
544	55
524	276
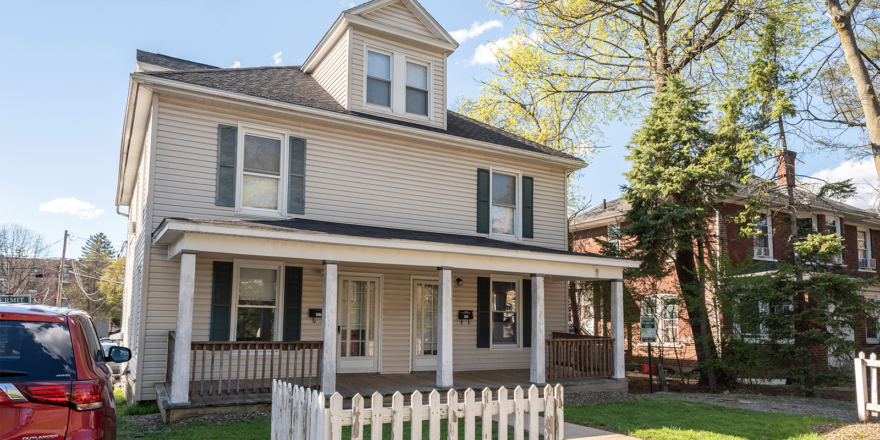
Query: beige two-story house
334	224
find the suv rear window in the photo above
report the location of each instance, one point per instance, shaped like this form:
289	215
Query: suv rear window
35	351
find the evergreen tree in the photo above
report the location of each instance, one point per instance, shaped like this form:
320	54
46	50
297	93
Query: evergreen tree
680	172
98	248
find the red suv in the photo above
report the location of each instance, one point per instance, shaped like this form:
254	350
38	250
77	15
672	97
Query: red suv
53	381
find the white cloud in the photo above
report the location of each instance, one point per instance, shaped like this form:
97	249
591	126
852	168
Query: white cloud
71	206
235	65
863	175
476	29
486	53
276	59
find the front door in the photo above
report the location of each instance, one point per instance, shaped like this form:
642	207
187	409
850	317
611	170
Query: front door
358	325
424	325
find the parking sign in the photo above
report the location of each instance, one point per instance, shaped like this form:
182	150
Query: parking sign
649	329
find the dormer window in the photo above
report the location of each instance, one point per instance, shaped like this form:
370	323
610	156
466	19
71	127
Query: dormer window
379	79
416	88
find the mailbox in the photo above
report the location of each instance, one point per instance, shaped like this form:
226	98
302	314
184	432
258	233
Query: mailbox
465	314
314	314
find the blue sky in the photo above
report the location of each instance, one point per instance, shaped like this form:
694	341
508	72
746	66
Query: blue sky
64	75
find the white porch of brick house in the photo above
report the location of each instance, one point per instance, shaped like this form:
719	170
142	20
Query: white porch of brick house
193	244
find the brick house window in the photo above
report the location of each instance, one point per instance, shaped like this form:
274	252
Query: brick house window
764	240
863	244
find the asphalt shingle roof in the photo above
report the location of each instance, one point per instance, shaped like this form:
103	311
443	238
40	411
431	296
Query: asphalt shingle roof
324	227
170	62
289	84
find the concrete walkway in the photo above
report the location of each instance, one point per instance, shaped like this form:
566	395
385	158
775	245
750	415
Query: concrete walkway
572	431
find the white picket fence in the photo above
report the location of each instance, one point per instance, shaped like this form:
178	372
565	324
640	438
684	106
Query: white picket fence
866	388
303	414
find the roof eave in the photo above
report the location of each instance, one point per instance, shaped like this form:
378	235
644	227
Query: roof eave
568	164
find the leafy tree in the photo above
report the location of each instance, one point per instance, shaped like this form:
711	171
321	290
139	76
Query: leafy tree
680	172
571	66
110	288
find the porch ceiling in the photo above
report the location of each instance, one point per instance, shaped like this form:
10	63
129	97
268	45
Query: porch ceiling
310	239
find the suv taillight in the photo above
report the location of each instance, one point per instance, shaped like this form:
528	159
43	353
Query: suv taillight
84	395
87	395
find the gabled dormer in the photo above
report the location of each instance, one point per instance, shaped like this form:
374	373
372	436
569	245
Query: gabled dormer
388	58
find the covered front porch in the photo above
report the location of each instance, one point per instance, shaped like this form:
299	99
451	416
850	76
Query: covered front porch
384	314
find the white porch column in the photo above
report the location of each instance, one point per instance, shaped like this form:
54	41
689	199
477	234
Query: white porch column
328	329
183	331
537	374
444	322
617	328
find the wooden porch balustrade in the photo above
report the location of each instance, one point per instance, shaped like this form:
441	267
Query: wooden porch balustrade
223	368
570	356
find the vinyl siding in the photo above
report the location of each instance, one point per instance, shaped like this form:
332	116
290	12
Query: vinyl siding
332	73
395	308
360	40
350	177
398	15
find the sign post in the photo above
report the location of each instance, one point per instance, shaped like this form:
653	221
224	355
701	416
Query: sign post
649	335
15	299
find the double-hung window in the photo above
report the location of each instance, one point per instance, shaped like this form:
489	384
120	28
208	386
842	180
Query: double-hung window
863	242
832	226
262	156
505	203
664	308
872	325
257	300
416	88
763	241
506	309
378	78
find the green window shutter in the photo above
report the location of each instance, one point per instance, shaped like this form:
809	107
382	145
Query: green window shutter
221	301
527	312
292	303
483	203
227	139
528	214
484	302
296	185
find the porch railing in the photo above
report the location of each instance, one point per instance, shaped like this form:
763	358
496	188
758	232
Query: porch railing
569	356
223	368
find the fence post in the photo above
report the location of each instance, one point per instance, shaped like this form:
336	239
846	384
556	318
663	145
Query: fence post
486	397
549	414
275	410
397	416
451	414
873	384
861	386
336	417
518	410
534	409
470	414
560	411
434	415
415	403
503	418
376	422
357	417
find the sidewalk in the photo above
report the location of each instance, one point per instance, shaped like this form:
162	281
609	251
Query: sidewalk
572	431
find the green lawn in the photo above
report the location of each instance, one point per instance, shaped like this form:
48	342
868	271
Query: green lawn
672	419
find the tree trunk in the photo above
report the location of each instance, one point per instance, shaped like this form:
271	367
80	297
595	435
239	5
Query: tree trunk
575	307
842	22
661	52
694	299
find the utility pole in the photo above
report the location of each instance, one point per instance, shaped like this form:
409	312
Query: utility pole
61	272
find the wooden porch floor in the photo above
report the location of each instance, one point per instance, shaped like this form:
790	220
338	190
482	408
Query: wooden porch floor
386	384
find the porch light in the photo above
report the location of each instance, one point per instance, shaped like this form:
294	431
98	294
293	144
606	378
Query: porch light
458	282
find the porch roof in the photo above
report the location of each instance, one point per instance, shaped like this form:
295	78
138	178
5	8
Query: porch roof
173	231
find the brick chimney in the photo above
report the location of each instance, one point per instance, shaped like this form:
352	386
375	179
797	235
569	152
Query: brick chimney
785	167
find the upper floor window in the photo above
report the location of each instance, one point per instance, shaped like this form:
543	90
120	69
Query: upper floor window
863	243
504	204
832	226
261	171
416	88
379	79
763	240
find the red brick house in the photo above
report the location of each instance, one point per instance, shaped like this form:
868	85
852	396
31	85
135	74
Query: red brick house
859	228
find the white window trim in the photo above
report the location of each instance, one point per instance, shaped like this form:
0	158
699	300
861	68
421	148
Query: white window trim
519	306
867	245
769	215
659	320
398	87
762	337
282	180
237	264
517	216
390	54
837	221
868	340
